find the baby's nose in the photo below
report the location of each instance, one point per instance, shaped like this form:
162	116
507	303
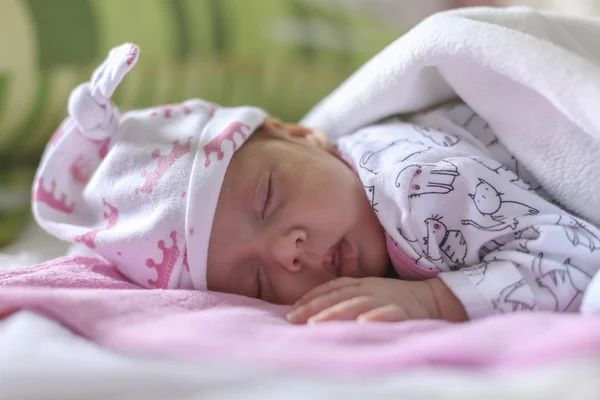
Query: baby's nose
285	251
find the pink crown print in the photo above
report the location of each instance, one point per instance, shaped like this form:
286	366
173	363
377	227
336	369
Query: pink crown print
216	145
165	267
48	197
111	217
163	165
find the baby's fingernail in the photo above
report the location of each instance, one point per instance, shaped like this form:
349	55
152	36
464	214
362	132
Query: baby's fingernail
293	316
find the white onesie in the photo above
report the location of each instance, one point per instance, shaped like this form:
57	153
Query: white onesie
455	204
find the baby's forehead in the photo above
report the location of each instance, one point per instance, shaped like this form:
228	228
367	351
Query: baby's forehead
257	141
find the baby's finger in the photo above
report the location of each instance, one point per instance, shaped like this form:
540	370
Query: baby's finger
325	288
301	314
347	310
387	313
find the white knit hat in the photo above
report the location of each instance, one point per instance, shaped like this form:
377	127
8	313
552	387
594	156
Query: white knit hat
139	189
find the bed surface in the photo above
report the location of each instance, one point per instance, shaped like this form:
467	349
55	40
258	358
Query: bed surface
63	365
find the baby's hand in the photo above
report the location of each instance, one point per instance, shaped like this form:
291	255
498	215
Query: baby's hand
377	299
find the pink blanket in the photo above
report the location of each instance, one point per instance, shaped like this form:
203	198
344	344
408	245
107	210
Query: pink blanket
93	299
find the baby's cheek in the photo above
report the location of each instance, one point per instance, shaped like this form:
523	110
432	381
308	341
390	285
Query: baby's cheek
291	287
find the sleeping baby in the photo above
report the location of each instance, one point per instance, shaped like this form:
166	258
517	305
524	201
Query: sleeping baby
426	217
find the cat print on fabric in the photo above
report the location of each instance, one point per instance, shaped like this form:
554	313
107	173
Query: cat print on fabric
474	124
502	171
478	272
439	245
501	159
450	242
515	297
559	280
467	208
415	245
495	210
436	136
371	195
523	236
578	233
429	178
371	160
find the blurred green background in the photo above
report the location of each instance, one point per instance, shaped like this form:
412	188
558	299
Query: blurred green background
281	55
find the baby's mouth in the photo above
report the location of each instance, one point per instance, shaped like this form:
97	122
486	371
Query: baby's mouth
331	260
336	260
347	260
341	260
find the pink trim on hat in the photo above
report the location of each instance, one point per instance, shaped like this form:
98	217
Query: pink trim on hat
216	145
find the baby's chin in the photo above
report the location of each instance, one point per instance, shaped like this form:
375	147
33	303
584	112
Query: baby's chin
371	241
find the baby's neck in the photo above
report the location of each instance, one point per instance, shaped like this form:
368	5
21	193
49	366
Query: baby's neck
339	155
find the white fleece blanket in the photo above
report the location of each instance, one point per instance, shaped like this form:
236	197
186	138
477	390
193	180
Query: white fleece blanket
534	76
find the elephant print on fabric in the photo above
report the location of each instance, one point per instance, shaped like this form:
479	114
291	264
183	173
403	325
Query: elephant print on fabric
495	210
429	178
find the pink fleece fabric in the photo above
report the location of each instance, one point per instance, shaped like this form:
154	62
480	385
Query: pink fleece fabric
93	299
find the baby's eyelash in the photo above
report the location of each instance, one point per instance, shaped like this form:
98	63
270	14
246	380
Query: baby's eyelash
268	197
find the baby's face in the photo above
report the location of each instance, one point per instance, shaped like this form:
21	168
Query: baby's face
291	216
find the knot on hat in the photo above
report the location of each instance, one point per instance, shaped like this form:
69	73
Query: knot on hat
89	103
97	119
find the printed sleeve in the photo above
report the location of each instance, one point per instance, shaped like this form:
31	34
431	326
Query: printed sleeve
532	256
451	209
